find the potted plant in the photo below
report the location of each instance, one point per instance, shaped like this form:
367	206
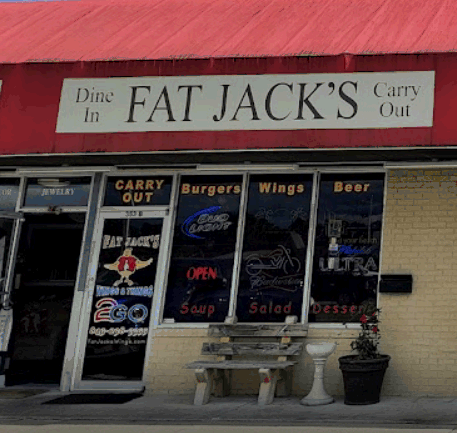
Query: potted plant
363	373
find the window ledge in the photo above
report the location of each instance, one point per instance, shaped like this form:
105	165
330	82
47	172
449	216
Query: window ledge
258	330
335	326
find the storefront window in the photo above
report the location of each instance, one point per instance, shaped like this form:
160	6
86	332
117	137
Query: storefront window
274	251
201	266
45	192
272	272
347	246
138	191
9	190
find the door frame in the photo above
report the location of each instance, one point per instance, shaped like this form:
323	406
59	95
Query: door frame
6	311
77	383
18	218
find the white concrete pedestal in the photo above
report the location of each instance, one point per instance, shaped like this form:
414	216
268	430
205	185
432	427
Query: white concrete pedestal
320	352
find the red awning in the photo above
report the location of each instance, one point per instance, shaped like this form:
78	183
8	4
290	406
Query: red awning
91	30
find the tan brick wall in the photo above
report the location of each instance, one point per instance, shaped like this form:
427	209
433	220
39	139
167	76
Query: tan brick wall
418	330
420	237
173	348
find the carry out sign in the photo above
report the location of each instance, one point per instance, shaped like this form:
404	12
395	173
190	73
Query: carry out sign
247	102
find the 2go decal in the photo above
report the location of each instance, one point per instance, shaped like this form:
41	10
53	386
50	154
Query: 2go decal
104	307
109	310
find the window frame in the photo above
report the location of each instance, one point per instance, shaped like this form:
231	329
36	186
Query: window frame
308	260
173	217
239	242
345	170
316	172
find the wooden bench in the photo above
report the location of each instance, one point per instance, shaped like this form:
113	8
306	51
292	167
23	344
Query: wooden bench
215	376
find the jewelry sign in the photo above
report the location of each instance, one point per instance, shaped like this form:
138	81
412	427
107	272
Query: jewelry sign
9	191
121	305
247	102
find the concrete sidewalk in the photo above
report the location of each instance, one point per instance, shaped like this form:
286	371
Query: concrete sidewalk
233	410
85	428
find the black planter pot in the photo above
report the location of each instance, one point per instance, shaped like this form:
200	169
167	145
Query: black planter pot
363	378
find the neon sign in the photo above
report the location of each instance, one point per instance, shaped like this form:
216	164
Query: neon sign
186	224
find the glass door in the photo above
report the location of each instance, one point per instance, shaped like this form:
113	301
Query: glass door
44	284
122	283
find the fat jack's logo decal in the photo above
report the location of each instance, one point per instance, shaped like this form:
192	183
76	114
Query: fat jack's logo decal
126	265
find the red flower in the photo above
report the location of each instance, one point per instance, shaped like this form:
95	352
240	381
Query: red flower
266	380
363	319
374	329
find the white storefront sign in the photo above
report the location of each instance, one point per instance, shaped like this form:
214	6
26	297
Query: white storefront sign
248	102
